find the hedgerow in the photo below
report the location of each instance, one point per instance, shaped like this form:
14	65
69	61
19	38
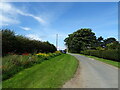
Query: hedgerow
12	43
107	54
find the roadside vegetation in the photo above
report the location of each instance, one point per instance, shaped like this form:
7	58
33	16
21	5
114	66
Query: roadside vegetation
28	63
111	62
85	42
12	64
52	73
106	54
18	44
20	52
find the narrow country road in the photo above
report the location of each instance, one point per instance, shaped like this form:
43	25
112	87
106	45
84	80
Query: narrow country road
93	74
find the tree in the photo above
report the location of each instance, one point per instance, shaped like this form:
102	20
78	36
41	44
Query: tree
8	38
18	44
100	42
113	45
109	40
100	39
82	39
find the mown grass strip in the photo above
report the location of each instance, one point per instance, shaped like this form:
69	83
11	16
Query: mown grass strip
52	73
114	63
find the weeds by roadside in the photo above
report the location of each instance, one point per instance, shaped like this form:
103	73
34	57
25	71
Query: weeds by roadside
12	64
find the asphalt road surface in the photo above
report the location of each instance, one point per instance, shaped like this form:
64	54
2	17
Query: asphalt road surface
93	74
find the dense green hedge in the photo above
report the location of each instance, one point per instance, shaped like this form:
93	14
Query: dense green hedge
107	54
12	43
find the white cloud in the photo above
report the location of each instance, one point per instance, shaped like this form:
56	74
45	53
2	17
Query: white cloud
9	15
25	28
39	19
7	20
33	37
6	7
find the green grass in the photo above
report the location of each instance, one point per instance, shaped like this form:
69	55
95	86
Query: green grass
12	64
52	73
114	63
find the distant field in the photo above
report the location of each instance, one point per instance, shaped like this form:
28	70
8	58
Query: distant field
111	62
52	73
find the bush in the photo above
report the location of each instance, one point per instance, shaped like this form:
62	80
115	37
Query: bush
107	54
12	64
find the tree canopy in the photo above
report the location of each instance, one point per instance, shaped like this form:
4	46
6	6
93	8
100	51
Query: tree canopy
84	39
12	43
80	40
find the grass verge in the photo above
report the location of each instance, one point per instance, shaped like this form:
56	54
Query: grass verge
52	73
114	63
12	64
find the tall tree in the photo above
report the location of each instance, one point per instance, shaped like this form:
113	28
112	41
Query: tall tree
100	39
8	38
100	42
80	40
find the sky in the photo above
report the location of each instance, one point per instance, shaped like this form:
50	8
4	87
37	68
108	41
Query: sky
43	20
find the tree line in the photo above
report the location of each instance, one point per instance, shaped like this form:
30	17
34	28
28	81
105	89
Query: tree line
84	39
19	44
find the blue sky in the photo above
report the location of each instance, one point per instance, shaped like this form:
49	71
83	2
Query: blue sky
43	20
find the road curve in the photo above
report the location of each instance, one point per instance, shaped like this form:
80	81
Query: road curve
93	74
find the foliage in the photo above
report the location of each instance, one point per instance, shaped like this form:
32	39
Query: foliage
85	39
100	42
113	45
52	73
111	62
100	38
80	40
100	48
107	54
12	43
12	64
109	40
108	49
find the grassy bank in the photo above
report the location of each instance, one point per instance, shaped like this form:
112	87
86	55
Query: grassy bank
114	63
52	73
13	64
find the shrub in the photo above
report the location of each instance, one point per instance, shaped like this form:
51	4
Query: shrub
107	54
12	64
